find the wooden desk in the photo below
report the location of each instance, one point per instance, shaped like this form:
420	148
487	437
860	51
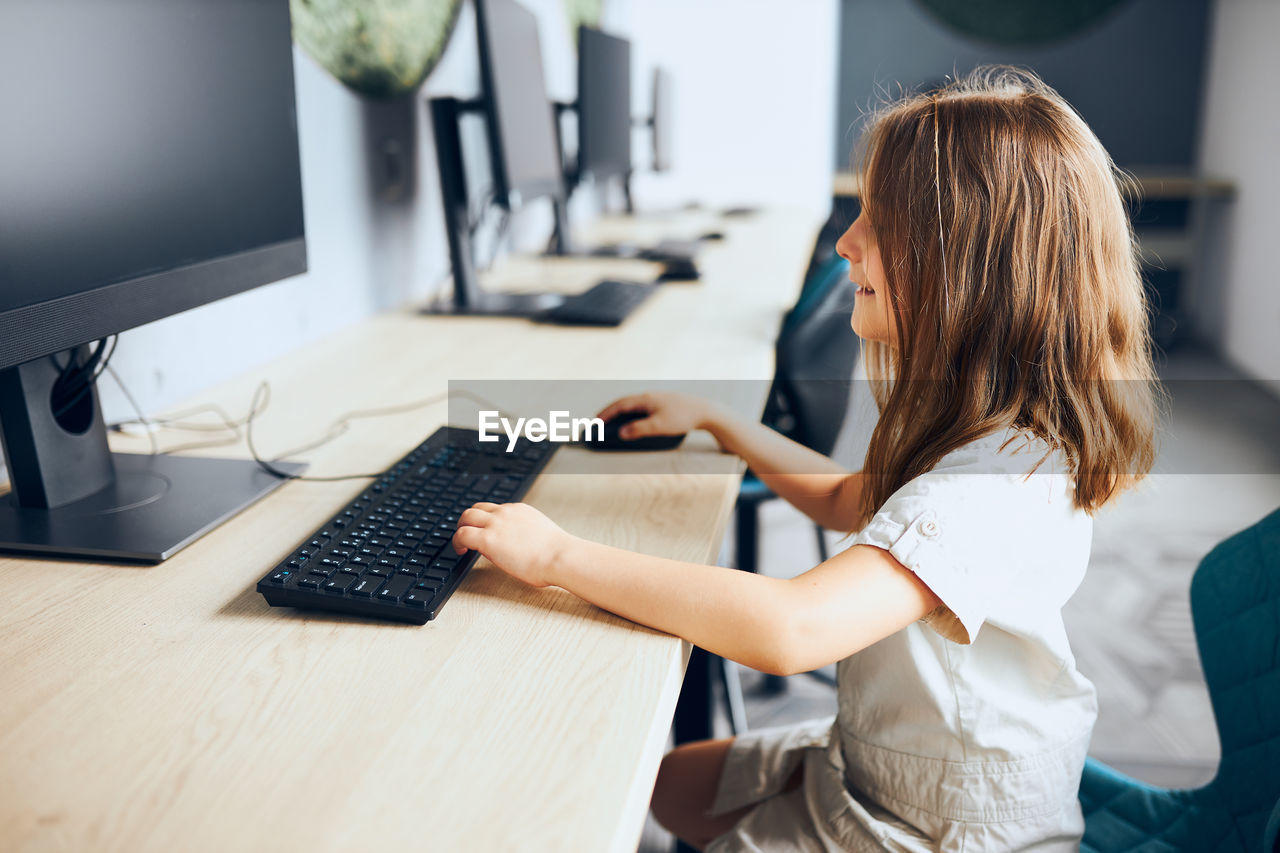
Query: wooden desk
168	708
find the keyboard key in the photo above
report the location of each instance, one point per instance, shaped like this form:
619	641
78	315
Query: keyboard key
395	588
366	586
418	598
339	583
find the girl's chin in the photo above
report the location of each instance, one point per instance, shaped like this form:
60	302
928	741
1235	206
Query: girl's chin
866	334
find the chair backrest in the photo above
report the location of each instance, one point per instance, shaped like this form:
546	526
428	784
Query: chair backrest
815	353
1235	603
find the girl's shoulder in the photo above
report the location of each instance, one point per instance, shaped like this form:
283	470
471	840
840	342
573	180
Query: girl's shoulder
1007	452
1008	472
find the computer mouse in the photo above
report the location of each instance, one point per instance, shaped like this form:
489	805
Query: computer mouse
679	271
613	441
712	235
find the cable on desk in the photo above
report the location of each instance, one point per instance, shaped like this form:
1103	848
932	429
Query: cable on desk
257	405
338	428
155	444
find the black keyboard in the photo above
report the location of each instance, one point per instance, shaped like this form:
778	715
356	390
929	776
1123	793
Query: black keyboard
673	251
388	553
606	304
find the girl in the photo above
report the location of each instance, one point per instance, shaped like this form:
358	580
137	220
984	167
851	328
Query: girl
1005	331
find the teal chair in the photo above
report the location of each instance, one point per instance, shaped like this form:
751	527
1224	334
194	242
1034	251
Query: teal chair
1235	603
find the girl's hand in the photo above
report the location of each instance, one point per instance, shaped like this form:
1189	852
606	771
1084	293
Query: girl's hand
516	538
668	414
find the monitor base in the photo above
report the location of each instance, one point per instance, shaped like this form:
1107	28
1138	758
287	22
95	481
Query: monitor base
485	304
155	506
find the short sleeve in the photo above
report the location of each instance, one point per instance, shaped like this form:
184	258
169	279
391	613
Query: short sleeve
967	534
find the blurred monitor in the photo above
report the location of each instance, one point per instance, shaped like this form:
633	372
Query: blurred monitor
662	120
524	146
604	105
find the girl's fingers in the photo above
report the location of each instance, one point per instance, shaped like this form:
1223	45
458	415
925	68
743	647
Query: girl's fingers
475	517
638	428
468	539
485	505
636	402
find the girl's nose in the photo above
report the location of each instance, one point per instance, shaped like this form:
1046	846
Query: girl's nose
849	246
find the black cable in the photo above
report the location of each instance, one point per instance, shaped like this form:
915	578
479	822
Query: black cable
71	375
503	222
86	375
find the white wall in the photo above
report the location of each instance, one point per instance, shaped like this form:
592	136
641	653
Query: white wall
755	95
1241	141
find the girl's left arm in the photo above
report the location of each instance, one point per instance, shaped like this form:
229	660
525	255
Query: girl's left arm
852	600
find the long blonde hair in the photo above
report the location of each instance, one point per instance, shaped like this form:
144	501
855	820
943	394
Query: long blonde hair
1013	274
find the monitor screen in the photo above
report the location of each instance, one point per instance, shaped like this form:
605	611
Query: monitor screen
523	142
662	120
604	104
142	137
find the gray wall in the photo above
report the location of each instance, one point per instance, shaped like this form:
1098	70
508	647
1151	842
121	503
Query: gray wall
1136	76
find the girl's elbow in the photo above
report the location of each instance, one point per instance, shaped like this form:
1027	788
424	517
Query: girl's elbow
784	652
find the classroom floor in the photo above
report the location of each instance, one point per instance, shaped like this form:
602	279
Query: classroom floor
1130	621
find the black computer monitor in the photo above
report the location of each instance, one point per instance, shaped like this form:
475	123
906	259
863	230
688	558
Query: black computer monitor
524	153
149	164
662	120
524	146
604	105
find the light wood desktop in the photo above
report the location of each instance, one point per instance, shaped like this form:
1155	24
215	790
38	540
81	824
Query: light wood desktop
168	708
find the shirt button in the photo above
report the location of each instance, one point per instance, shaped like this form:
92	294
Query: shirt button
929	528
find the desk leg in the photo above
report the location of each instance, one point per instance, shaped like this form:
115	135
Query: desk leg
695	709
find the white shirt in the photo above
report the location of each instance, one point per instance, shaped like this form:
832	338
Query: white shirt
966	730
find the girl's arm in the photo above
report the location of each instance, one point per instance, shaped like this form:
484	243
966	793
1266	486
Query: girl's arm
811	482
852	600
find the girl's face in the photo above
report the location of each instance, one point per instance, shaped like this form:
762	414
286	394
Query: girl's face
873	319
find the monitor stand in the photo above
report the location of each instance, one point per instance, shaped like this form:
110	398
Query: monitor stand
72	497
468	298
